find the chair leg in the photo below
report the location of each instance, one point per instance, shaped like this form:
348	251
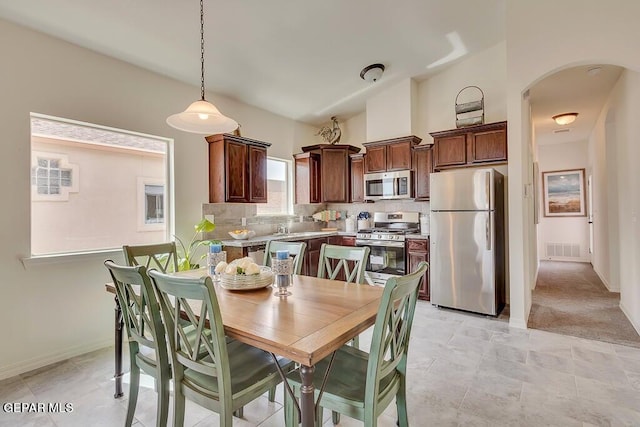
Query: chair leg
272	394
335	417
178	406
163	402
401	404
290	415
319	415
134	386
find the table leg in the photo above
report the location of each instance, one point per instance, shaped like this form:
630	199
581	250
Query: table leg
119	324
307	401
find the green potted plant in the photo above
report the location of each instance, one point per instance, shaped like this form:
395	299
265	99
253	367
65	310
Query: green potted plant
187	252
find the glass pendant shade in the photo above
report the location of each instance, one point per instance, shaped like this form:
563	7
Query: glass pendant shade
204	118
201	116
565	118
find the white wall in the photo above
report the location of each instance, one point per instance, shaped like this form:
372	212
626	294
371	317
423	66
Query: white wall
390	113
432	101
354	130
55	310
617	232
437	95
540	43
571	230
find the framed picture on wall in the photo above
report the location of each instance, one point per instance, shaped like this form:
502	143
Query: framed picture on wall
563	193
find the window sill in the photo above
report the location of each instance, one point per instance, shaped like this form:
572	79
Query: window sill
39	260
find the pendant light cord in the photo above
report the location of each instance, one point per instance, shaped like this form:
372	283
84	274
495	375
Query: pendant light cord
202	50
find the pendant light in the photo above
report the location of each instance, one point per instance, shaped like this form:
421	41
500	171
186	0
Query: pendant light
202	116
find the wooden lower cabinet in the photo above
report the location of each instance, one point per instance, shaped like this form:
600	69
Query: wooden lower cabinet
311	258
418	251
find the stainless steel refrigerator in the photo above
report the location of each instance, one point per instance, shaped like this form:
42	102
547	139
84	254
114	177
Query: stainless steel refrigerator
467	253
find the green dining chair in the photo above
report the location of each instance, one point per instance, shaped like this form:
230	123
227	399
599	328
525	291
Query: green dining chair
217	374
297	249
350	260
361	385
162	256
147	338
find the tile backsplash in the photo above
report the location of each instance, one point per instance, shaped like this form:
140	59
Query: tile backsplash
228	216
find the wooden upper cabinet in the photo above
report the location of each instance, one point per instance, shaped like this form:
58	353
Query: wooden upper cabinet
336	176
480	144
357	177
308	178
257	179
390	154
423	166
399	156
335	170
237	169
450	151
488	146
376	159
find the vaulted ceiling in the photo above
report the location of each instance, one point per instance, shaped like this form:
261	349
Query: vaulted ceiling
300	59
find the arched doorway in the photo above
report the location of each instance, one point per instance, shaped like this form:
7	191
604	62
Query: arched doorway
571	296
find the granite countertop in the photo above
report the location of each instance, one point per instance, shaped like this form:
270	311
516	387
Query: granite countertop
302	235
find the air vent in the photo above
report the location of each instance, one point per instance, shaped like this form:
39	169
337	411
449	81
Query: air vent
562	250
561	130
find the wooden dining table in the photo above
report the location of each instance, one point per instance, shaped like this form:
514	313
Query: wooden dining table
314	321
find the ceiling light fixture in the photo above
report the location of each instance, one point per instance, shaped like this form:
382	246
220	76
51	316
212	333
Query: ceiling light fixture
202	116
565	118
371	73
594	71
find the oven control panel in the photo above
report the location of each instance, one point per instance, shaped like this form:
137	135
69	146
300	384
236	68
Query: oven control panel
381	236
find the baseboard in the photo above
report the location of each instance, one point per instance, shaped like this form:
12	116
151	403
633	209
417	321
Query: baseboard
635	325
605	282
513	323
47	359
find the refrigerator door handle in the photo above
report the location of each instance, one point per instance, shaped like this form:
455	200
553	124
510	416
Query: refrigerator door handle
488	231
487	188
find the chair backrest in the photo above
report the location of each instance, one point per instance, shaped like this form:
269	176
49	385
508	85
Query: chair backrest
140	310
334	259
392	330
162	256
194	325
297	249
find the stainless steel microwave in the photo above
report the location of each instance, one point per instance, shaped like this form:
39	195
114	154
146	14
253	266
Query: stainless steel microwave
387	185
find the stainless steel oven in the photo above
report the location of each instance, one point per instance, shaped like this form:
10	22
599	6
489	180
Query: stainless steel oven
386	259
386	242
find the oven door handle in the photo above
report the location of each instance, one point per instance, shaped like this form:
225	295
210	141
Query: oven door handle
379	243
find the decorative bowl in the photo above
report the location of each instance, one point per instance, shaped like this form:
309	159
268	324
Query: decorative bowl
242	234
241	282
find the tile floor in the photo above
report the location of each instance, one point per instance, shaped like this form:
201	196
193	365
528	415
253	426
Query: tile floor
464	370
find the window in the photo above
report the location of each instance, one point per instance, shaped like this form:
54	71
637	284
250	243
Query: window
154	204
52	176
95	188
279	191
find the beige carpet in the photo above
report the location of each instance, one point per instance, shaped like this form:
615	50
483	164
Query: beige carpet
570	299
